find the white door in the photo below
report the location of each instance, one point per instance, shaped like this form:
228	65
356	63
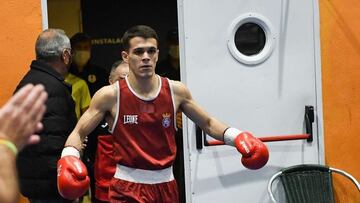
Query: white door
260	89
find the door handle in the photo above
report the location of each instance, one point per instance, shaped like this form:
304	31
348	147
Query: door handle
199	137
308	117
309	120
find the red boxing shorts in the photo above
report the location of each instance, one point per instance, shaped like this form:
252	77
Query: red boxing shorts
131	185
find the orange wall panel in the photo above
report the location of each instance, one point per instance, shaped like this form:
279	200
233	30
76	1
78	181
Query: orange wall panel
340	51
20	25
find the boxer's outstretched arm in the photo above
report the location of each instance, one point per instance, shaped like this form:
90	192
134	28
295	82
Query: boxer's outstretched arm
191	109
72	178
254	152
101	103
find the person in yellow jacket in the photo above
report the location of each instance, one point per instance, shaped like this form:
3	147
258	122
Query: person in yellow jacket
80	93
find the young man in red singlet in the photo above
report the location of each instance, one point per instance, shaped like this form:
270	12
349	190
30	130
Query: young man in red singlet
141	113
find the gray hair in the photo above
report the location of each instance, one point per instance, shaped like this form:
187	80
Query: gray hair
51	43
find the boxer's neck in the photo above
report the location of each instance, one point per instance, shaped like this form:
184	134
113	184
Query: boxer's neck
146	87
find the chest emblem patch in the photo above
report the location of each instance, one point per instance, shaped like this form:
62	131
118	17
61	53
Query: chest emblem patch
166	120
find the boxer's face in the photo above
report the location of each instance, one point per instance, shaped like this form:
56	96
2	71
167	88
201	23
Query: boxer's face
142	56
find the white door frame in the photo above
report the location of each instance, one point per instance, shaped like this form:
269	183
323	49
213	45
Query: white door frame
318	111
44	15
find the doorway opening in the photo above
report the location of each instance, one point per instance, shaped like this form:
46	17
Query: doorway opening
105	23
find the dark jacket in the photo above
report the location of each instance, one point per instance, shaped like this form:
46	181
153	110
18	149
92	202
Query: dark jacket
37	163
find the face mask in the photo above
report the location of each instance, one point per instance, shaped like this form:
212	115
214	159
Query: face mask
174	52
81	58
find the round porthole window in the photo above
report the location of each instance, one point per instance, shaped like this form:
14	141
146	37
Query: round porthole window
251	40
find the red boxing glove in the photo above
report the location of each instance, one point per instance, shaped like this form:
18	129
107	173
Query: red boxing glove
72	177
254	152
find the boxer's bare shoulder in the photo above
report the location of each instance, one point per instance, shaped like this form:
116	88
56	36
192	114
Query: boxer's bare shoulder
105	98
180	91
